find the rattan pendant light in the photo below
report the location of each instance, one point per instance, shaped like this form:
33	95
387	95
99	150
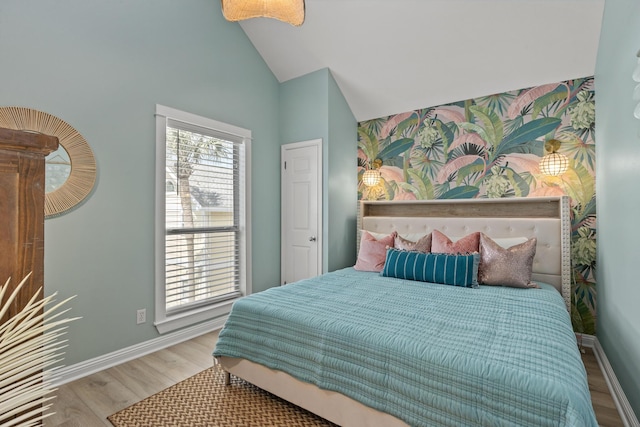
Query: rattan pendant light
372	176
554	163
290	11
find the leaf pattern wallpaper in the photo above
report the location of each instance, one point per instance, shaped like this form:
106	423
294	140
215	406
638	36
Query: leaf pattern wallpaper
490	147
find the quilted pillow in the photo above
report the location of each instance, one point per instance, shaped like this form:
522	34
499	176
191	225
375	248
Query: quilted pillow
447	269
373	252
506	267
443	245
422	245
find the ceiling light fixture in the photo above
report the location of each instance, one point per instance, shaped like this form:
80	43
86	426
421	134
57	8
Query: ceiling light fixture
554	163
290	11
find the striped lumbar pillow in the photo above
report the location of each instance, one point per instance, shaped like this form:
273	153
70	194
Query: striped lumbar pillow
447	269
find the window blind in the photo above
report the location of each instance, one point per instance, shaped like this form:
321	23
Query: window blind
202	218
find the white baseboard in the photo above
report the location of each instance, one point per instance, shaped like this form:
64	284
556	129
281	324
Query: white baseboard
619	398
79	370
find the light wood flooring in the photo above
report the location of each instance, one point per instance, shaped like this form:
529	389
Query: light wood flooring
88	401
601	399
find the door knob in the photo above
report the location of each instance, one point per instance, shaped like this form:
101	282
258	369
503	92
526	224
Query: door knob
312	238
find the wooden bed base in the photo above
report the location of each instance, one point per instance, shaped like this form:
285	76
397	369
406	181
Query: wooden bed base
383	216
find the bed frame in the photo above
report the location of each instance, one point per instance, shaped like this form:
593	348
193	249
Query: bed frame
545	218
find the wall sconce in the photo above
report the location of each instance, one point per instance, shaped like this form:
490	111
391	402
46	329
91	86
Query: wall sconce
290	11
636	92
371	177
554	163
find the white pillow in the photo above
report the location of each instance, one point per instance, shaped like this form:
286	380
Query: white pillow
505	242
414	237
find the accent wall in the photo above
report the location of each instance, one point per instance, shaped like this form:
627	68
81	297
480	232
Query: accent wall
490	147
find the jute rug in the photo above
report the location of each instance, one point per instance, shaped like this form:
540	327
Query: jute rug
204	401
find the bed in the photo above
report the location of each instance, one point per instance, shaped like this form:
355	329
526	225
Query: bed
360	349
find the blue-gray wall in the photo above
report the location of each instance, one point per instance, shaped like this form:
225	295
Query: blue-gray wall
304	113
618	172
342	182
102	66
313	107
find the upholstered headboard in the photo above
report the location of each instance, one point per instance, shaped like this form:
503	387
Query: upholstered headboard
546	218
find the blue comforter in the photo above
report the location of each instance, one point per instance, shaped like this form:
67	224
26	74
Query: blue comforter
426	353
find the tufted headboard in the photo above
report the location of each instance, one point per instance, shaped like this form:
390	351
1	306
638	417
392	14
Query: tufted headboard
546	218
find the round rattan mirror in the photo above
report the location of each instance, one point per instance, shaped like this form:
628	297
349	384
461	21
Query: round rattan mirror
70	171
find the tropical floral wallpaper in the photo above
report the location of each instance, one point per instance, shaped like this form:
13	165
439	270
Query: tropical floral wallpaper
490	147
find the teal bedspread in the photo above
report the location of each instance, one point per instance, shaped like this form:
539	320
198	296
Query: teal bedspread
429	354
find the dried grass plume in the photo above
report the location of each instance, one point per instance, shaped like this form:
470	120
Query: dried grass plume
30	346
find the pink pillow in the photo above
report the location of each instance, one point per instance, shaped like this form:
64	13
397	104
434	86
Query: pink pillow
441	244
373	253
422	245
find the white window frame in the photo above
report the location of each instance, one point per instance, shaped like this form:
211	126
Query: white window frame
165	322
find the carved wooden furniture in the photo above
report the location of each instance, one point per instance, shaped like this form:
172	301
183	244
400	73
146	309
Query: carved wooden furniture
22	193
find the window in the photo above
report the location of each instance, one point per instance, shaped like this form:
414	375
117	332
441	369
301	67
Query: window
202	224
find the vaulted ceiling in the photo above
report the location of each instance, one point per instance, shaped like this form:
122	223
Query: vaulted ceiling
392	56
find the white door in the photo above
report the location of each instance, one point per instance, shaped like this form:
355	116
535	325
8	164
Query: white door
301	210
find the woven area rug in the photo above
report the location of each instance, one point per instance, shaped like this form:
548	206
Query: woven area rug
204	400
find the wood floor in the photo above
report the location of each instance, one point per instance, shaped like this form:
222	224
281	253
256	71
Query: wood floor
601	399
88	401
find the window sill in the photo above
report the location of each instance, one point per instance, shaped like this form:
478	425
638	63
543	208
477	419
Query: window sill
189	318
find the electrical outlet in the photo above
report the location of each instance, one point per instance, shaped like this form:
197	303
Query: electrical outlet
141	316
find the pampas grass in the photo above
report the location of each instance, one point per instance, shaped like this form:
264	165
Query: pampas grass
30	345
